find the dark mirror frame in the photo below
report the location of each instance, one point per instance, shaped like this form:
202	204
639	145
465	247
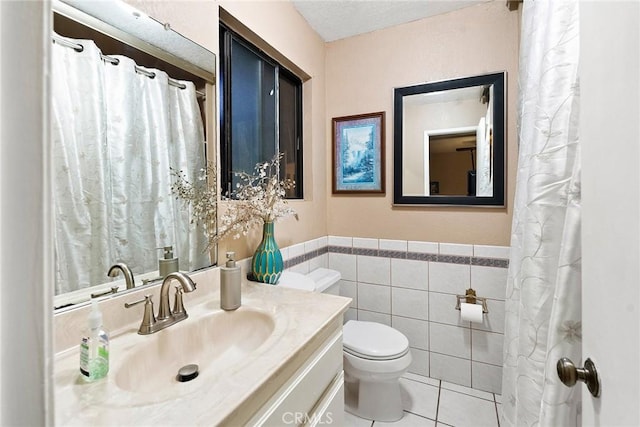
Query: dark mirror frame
498	80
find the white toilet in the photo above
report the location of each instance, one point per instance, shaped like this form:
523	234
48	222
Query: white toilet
375	355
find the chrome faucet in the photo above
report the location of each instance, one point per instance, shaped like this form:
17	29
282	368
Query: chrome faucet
187	286
166	316
115	269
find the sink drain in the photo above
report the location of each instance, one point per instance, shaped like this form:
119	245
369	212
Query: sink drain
187	373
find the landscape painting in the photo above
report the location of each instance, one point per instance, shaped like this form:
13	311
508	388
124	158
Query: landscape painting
358	153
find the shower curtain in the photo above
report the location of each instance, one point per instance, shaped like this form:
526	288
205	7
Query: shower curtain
117	133
543	312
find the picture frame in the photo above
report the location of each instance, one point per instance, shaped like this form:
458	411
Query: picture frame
358	165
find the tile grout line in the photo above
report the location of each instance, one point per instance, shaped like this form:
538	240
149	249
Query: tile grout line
438	404
417	415
468	394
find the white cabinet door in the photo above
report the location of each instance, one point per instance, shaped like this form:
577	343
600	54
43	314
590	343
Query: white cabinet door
609	131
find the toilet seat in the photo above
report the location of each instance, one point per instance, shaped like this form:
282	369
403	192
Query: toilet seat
373	341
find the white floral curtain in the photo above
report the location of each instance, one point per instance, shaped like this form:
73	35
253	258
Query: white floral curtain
117	133
543	307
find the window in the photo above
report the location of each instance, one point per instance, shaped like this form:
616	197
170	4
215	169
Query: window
261	112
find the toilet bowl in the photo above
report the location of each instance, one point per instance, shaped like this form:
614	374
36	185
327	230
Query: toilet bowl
375	356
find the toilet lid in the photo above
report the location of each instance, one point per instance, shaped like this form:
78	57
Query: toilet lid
375	341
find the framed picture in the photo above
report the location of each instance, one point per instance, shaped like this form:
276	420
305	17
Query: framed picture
358	154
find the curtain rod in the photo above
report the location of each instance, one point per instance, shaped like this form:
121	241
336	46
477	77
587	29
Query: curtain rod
115	61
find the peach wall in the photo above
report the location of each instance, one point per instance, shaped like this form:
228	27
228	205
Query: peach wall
361	73
357	75
281	26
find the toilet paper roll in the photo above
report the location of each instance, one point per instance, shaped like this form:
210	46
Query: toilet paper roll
471	312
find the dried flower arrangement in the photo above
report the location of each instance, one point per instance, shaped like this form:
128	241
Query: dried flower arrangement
258	198
202	195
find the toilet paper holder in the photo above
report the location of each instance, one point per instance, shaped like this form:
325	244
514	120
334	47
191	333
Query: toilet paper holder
470	298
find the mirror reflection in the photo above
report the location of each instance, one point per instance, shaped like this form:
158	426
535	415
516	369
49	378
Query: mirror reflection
449	142
122	122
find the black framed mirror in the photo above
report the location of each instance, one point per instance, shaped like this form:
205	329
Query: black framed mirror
449	142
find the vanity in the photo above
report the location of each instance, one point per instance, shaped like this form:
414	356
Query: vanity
277	360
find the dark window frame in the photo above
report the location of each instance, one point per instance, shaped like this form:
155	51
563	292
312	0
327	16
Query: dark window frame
227	36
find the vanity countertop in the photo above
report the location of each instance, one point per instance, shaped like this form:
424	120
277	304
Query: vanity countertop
301	322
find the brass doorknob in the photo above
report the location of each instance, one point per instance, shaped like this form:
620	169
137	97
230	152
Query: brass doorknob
569	374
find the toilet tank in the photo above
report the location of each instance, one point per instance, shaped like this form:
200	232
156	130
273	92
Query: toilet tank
327	281
322	280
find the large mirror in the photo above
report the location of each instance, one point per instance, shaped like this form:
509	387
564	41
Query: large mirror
449	142
131	106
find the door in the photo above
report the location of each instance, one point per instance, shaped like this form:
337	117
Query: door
609	131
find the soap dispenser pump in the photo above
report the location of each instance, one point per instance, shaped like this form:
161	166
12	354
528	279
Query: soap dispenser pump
169	264
230	279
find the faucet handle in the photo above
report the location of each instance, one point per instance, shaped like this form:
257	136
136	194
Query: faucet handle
178	306
113	290
145	299
148	318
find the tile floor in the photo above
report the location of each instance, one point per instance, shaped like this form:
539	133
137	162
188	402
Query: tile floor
428	402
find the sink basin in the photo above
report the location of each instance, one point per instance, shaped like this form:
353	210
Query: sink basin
216	342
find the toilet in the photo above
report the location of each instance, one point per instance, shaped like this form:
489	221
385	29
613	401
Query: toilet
375	355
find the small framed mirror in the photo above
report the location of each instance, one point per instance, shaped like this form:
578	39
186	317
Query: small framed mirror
449	142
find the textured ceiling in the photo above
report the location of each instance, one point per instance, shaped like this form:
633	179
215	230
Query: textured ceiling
338	19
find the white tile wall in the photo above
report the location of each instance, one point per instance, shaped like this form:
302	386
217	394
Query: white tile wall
372	316
351	314
323	241
419	362
285	253
487	347
456	249
311	245
374	298
302	268
440	309
393	245
350	290
501	252
340	241
407	273
321	261
410	303
345	264
296	250
450	340
493	321
417	331
449	278
418	299
486	377
423	247
489	282
359	242
374	269
449	368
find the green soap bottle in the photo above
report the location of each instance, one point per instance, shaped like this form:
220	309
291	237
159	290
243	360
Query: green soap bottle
94	347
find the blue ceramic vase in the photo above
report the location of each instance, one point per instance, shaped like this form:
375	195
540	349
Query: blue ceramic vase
267	264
